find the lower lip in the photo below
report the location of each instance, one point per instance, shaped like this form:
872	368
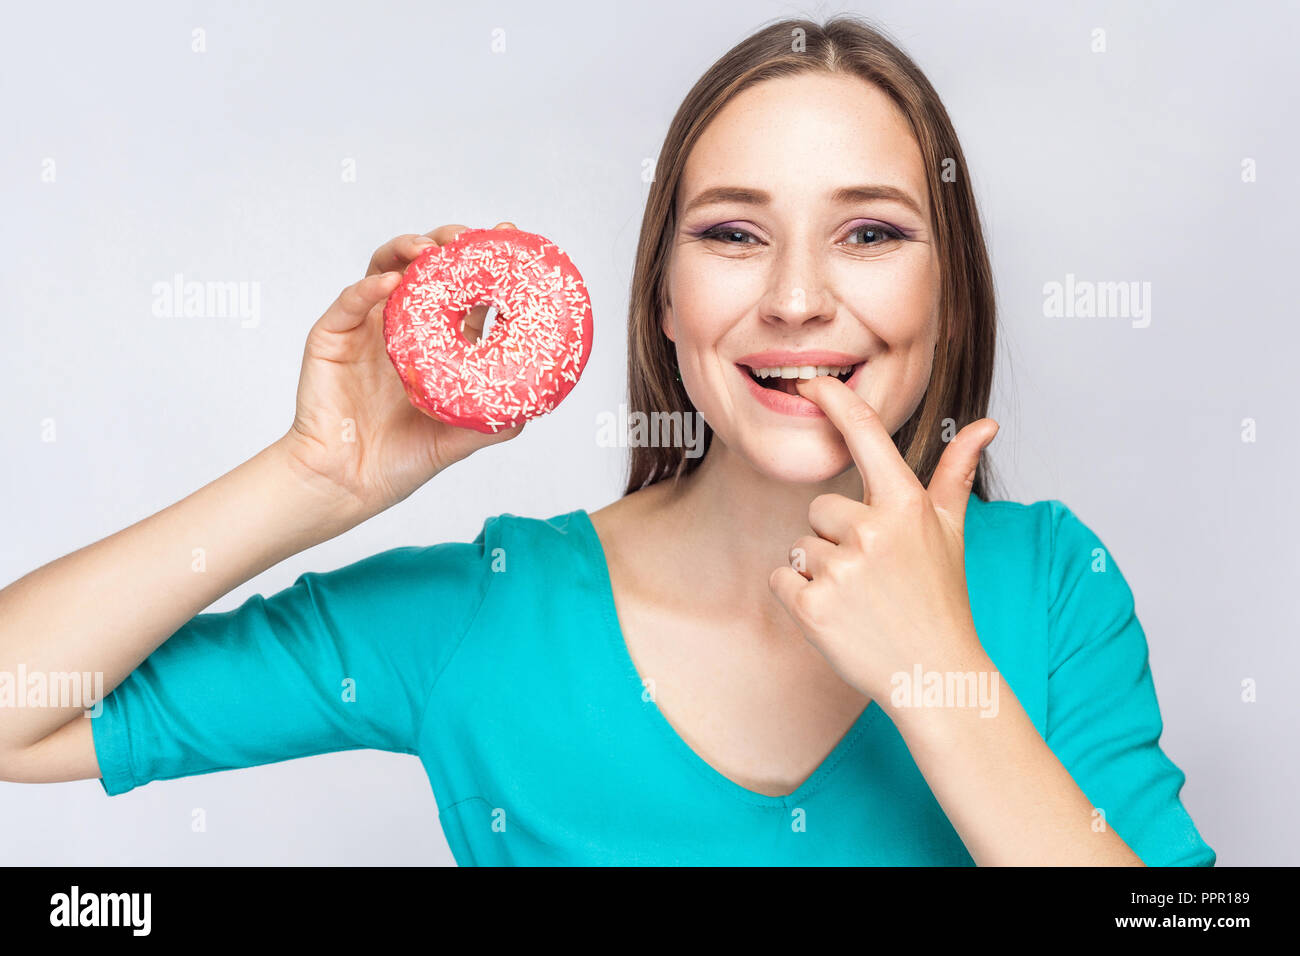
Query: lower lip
796	405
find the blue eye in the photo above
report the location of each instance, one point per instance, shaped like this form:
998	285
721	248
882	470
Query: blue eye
878	232
872	234
724	233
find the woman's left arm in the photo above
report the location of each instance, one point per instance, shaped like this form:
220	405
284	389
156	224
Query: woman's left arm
880	590
1012	802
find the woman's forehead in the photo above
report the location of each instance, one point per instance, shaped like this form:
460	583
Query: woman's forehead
802	138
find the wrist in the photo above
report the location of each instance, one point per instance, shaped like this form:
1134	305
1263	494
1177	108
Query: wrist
935	703
317	507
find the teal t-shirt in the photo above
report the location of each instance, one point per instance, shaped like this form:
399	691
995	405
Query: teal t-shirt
501	665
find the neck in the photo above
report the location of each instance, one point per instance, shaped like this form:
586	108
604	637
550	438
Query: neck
732	526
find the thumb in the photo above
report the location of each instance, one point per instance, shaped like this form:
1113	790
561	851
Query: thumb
355	302
456	444
954	476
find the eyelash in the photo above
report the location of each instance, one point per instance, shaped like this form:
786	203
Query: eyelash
889	233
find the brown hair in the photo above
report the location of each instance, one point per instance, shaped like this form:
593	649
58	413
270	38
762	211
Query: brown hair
962	375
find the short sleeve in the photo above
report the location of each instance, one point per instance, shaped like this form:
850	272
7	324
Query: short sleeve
341	660
1103	721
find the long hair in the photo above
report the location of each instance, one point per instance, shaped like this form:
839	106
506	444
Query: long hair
962	375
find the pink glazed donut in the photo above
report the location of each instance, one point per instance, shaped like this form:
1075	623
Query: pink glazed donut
529	360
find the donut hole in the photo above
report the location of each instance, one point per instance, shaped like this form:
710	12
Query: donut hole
479	322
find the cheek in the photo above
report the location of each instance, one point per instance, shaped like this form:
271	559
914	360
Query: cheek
902	311
900	298
707	297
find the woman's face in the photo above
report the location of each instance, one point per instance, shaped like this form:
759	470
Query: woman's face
803	241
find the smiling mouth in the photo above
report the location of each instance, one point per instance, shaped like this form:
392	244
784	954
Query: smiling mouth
782	378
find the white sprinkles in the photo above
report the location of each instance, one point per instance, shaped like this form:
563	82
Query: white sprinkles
532	356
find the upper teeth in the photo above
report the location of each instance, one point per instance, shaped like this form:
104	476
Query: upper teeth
801	371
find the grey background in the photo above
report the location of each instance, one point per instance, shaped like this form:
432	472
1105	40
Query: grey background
226	165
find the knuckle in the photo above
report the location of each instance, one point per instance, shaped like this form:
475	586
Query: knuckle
839	570
913	502
864	534
351	297
822	505
811	606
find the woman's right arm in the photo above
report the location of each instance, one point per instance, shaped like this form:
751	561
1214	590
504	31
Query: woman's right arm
356	447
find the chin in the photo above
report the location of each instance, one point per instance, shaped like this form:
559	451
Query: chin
804	459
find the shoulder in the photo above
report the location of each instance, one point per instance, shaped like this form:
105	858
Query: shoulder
497	531
1048	531
520	555
1042	586
1048	543
454	576
1081	588
534	545
538	532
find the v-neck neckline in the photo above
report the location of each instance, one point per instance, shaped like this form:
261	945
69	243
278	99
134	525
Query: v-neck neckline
614	630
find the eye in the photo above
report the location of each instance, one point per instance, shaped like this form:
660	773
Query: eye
875	234
727	234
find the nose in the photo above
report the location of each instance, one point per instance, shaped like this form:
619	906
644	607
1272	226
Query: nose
797	294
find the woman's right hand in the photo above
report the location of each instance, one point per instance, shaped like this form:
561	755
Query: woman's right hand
355	432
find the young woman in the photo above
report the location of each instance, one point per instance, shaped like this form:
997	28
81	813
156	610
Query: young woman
817	643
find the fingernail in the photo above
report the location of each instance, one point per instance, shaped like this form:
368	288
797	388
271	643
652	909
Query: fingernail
422	241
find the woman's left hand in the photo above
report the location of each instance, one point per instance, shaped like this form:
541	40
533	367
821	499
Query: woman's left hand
881	585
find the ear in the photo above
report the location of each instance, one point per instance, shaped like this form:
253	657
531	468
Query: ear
666	322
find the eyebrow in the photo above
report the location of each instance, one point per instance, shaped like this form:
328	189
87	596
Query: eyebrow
841	196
